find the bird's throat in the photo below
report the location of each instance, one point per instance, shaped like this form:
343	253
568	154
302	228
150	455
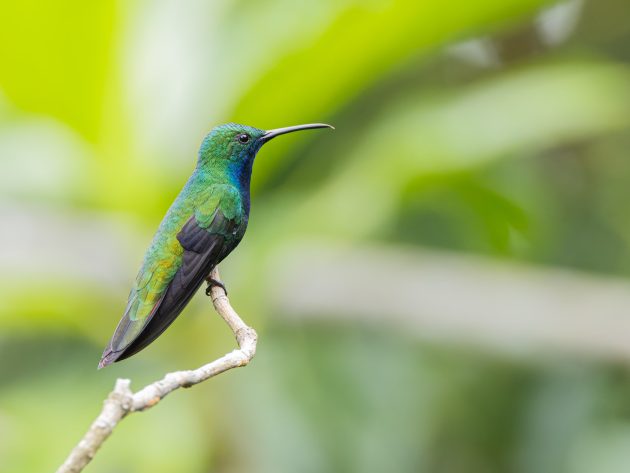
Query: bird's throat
240	176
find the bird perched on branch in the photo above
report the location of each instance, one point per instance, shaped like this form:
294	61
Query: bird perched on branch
205	223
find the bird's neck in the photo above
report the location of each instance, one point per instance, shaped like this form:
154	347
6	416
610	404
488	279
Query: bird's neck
237	174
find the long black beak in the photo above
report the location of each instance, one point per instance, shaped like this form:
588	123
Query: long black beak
290	129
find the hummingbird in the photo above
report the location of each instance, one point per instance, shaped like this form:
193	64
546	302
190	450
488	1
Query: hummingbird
204	224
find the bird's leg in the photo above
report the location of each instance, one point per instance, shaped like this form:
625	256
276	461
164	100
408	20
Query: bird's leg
214	282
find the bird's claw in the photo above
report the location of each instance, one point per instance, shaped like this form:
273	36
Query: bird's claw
213	282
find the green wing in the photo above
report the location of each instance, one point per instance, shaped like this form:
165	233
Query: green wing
175	266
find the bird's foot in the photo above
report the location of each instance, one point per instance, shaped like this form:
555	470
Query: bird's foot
213	282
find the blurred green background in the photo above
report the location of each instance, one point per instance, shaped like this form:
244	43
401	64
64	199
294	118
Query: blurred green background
440	285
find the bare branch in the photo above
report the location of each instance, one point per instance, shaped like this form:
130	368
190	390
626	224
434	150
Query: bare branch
122	401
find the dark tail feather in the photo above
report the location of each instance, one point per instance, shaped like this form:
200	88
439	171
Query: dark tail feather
171	305
108	358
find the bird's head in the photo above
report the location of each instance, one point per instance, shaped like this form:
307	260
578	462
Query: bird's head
235	146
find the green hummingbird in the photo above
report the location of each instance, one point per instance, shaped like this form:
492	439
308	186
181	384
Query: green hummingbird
204	224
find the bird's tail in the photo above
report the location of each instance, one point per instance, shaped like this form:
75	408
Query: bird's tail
108	358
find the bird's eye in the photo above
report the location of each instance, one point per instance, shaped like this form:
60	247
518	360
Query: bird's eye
243	138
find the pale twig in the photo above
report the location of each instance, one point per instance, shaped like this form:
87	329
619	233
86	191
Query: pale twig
122	401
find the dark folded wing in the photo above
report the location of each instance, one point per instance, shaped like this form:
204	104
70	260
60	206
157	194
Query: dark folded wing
204	248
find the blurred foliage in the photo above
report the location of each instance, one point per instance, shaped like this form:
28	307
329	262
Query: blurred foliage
491	127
